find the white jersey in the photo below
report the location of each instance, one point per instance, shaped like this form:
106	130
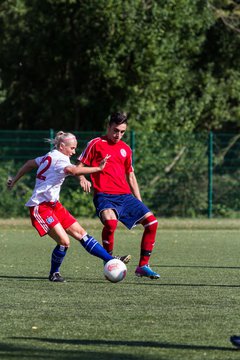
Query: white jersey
49	178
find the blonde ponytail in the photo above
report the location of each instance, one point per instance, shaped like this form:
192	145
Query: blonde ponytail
61	137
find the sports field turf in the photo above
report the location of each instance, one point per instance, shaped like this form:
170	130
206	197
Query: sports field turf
188	314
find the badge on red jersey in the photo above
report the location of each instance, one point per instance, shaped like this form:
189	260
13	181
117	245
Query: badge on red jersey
123	152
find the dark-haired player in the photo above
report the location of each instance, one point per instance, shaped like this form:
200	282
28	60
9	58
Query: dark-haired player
116	192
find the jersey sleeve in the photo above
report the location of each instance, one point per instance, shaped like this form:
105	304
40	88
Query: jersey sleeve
128	163
61	164
88	153
38	160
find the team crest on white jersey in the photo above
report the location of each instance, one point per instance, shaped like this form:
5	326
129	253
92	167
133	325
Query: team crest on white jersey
123	152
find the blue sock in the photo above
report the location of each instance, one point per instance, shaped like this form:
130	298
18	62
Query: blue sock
94	248
58	255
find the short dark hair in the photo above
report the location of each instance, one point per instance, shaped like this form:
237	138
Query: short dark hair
118	118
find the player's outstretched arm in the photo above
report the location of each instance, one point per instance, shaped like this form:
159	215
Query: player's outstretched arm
28	166
77	170
84	183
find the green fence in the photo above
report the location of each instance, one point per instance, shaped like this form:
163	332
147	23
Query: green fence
22	145
180	174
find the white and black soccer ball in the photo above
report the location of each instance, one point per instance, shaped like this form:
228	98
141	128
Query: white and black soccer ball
115	270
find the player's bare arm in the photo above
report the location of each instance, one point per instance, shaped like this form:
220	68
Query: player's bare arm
27	167
78	170
84	183
132	181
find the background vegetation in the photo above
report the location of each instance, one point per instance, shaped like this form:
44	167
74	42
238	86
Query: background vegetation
170	64
173	171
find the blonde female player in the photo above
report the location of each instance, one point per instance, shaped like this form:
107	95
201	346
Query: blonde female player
47	214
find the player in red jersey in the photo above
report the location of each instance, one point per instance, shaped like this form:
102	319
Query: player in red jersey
116	192
48	215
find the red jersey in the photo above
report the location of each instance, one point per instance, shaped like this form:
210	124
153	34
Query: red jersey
112	179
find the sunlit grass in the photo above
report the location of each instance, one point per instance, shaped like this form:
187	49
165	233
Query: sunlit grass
188	314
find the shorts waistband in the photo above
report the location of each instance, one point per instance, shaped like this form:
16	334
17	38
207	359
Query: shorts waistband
49	203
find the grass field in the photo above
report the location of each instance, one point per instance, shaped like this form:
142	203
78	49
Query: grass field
188	314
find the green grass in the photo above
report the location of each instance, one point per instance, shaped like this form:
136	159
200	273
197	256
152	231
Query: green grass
188	314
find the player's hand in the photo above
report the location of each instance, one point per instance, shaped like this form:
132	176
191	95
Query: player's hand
104	161
85	184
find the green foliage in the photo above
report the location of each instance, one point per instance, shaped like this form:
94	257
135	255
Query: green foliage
226	200
173	175
76	201
12	202
171	64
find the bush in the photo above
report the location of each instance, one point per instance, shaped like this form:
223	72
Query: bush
75	200
12	201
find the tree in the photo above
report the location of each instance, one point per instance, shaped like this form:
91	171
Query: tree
169	64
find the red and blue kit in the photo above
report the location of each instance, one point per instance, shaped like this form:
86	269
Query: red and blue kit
112	179
111	188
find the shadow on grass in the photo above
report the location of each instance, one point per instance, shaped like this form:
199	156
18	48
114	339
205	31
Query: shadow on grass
42	278
24	278
8	351
139	344
189	285
198	266
142	282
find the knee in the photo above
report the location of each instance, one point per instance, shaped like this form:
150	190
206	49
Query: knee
150	223
110	225
64	242
76	231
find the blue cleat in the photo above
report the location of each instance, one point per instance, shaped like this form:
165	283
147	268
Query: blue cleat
147	272
235	340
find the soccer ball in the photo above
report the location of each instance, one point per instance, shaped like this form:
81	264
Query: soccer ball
115	270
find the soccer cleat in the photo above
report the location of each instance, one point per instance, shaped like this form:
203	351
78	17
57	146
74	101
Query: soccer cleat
147	272
125	258
56	277
235	340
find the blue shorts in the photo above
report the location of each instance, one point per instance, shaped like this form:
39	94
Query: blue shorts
129	210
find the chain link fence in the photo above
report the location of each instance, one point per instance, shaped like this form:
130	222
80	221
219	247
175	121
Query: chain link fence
179	174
